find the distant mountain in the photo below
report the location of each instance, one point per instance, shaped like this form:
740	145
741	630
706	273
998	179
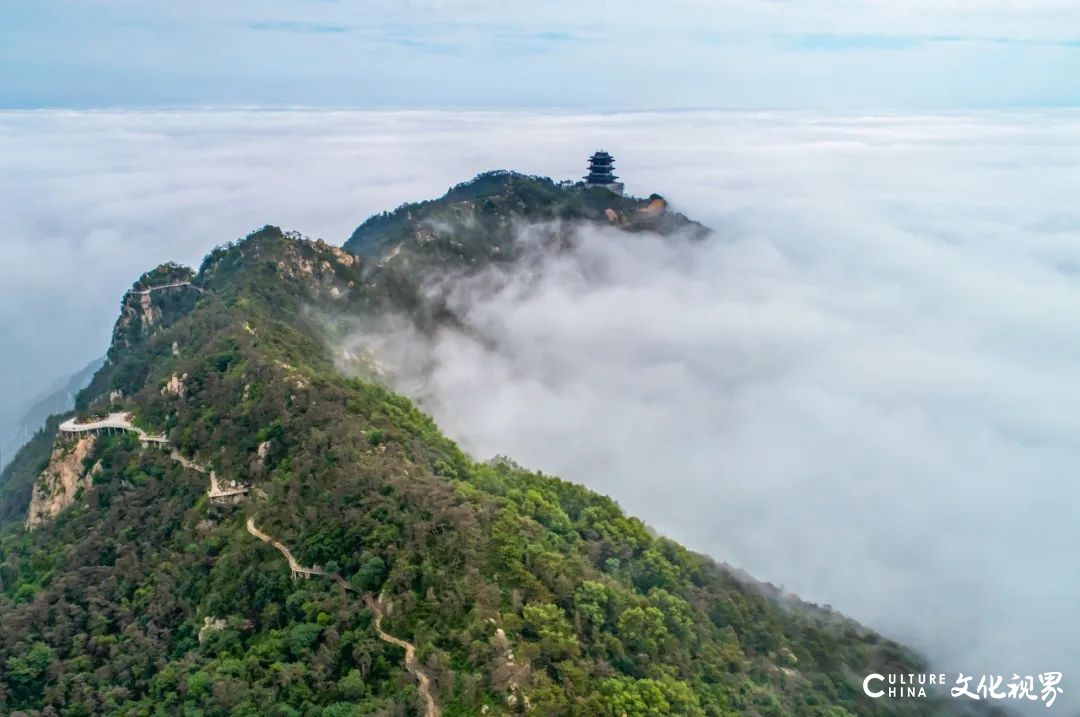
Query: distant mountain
230	526
58	398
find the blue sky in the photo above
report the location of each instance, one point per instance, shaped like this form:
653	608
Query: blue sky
501	54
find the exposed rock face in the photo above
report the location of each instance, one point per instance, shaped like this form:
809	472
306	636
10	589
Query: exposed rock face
657	205
507	674
56	487
321	267
341	255
175	386
147	312
157	299
211	624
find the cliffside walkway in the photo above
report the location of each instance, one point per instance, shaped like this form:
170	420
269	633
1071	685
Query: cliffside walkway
121	422
186	463
113	423
216	491
174	285
374	604
298	570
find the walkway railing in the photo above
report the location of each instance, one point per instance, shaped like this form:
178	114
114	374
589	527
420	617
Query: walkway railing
174	285
113	423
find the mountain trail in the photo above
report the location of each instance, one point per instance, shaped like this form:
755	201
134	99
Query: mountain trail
187	463
297	569
374	604
216	492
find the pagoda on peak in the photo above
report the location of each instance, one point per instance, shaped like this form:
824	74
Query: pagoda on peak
602	172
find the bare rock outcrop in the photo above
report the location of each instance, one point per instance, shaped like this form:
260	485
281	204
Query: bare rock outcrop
175	386
57	486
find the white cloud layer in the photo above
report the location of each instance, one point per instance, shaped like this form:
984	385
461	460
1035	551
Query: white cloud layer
866	389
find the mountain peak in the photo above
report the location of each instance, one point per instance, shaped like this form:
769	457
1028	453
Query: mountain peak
479	218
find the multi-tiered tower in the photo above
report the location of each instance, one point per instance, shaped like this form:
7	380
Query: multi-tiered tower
602	172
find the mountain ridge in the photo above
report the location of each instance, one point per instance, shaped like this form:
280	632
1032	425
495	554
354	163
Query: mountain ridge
520	592
481	206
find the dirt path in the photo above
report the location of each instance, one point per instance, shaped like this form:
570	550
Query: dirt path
374	604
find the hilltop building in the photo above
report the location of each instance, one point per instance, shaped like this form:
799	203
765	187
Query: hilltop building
602	172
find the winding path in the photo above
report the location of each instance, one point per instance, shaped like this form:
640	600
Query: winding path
216	491
122	422
296	567
374	604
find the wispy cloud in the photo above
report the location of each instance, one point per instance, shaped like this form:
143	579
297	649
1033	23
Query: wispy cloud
296	26
830	42
844	43
546	36
567	53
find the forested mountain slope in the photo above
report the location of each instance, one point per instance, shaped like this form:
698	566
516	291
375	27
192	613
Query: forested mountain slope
522	594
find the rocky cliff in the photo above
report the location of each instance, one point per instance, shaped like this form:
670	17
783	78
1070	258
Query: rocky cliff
58	485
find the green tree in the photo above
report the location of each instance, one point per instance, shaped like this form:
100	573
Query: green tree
547	624
26	672
591	600
642	629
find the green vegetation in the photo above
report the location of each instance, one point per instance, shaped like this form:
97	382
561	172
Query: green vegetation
476	222
17	480
523	593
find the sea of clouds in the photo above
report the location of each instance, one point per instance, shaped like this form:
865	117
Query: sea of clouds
865	388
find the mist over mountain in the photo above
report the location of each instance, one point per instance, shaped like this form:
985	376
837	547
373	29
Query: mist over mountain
891	297
16	429
221	421
786	421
